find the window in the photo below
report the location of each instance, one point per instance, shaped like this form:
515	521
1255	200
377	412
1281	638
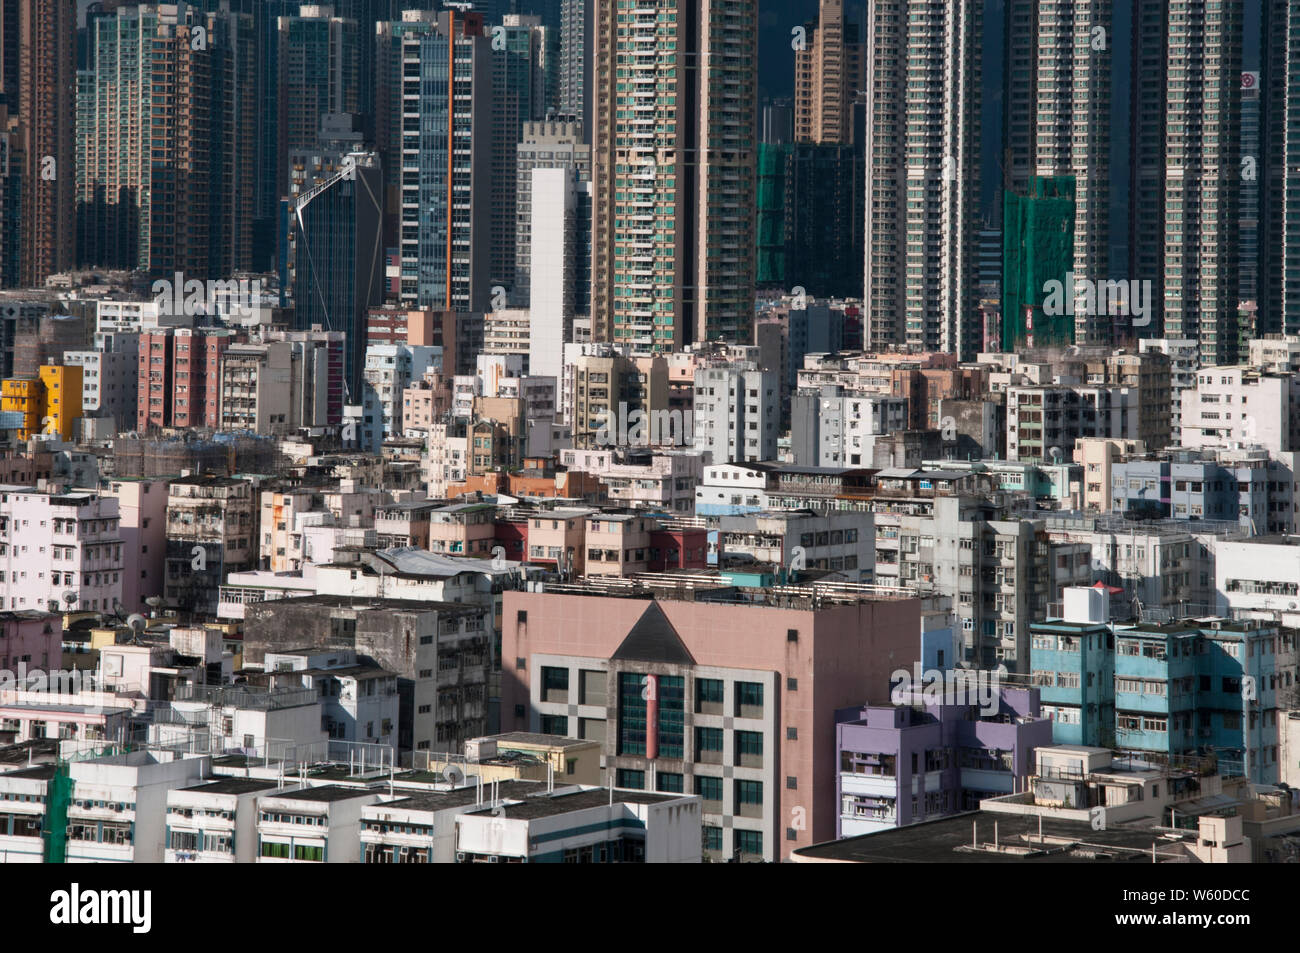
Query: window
591	687
709	789
749	842
555	684
632	714
628	778
183	840
708	745
712	837
749	748
555	725
749	696
749	792
668	782
708	696
672	716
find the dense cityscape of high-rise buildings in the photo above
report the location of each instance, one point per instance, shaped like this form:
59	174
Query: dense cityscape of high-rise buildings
684	431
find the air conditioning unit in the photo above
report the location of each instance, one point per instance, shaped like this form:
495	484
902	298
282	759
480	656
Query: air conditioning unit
460	857
494	859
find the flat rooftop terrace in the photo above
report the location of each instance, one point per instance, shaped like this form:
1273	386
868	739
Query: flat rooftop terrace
948	840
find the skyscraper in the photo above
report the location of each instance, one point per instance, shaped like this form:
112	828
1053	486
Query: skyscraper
1202	179
673	172
37	85
1019	90
339	141
11	205
389	107
1277	101
446	160
525	87
559	241
265	77
319	68
828	73
339	252
810	214
1071	137
554	144
576	33
922	202
1251	160
166	133
1148	80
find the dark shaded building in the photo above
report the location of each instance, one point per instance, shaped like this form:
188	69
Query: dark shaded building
810	218
441	652
339	258
37	154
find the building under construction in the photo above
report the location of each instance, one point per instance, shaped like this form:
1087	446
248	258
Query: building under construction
1037	248
221	454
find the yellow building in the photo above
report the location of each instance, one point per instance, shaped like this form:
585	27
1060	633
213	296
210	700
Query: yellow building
49	405
26	397
62	399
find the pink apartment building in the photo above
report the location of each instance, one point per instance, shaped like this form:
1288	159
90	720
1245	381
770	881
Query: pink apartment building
732	701
142	510
33	638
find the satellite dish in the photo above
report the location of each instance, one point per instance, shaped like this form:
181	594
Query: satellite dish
136	622
453	775
71	597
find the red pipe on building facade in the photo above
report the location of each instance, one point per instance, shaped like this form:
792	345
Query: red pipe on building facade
651	695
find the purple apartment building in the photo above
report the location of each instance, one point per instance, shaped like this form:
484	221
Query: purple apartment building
900	764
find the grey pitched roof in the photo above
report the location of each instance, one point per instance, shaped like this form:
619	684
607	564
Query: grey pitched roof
653	639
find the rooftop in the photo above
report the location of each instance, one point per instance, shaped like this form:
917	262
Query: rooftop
232	786
543	805
359	672
534	738
949	840
366	604
328	793
460	797
413	561
713	587
29	751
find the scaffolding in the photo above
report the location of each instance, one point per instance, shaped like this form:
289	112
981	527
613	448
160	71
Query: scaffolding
771	222
1037	248
58	797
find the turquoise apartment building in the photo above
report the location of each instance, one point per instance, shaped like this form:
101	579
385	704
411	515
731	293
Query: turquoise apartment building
1190	688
